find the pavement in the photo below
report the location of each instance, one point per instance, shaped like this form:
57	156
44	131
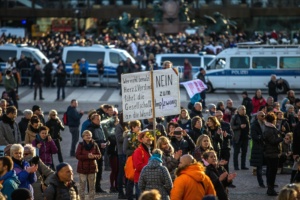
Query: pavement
92	97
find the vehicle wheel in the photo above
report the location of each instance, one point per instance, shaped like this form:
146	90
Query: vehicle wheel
210	88
283	89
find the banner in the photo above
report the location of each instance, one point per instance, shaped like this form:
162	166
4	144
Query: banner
193	87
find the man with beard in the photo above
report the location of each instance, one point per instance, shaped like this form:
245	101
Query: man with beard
9	129
191	181
8	177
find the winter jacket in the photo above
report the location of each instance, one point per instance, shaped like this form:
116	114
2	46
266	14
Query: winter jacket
47	149
257	151
98	135
119	138
85	164
24	177
170	163
76	68
226	140
185	126
256	103
192	183
272	138
23	124
9	83
9	184
55	126
195	133
220	186
9	131
156	176
140	159
73	117
194	113
37	77
61	78
85	125
58	190
247	102
31	133
186	144
296	139
235	124
216	139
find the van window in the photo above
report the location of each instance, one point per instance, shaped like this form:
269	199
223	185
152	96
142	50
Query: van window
5	54
207	60
115	58
90	56
28	55
218	63
290	62
264	62
179	61
239	62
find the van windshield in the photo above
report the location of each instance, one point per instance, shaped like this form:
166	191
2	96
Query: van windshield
39	56
179	61
125	55
217	63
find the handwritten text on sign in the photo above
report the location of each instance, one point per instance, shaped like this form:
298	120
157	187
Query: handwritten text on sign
136	96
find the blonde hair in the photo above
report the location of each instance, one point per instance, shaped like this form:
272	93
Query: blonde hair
157	151
287	193
87	132
187	114
201	138
290	134
164	140
150	195
52	112
16	147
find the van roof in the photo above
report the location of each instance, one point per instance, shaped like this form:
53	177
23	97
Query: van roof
92	48
184	55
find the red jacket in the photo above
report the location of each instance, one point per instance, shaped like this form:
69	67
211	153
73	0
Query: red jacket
140	159
86	165
256	104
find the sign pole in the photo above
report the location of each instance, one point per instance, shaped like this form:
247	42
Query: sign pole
153	107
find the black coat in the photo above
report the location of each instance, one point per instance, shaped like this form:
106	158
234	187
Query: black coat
187	145
61	78
37	77
23	124
272	138
55	127
296	139
226	140
247	102
257	151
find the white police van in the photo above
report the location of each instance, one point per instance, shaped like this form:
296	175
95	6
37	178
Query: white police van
251	66
110	56
15	51
197	60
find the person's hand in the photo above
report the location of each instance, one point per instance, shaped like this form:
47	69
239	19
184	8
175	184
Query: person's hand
91	156
49	138
225	134
171	133
103	145
243	125
32	169
178	154
81	112
39	145
223	162
223	176
184	133
44	187
231	176
283	128
97	156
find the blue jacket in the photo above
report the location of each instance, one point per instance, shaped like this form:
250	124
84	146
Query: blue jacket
84	67
73	117
10	183
25	178
85	125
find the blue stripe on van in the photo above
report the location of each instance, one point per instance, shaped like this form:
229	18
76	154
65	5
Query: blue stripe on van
108	70
264	72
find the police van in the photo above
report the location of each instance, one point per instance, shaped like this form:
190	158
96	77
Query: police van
110	56
251	66
15	51
196	60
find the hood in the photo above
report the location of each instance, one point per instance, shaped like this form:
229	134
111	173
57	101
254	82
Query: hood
11	175
153	164
194	171
268	124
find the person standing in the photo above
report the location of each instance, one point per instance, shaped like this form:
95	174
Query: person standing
76	73
74	117
187	70
241	128
10	86
258	100
23	124
247	102
48	73
272	138
62	185
8	178
201	76
257	156
272	87
100	68
84	68
9	129
38	81
61	81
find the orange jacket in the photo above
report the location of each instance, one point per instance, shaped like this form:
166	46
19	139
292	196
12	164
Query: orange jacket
192	183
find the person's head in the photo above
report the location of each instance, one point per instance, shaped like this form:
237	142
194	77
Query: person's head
91	112
96	119
29	152
3	105
11	112
198	106
204	142
202	71
100	61
213	122
244	94
196	122
74	103
35	121
211	157
163	143
52	114
82	60
167	64
150	195
290	108
270	101
288	138
241	110
185	161
258	93
110	111
87	136
36	110
291	93
146	137
171	126
261	116
6	164
43	132
21	194
290	192
279	115
219	115
178	133
27	114
273	77
271	118
16	151
297	102
212	108
64	172
229	103
276	105
184	114
135	126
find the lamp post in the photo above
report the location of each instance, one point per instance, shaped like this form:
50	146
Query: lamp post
78	14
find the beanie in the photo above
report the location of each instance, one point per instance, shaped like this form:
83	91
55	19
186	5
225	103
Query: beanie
35	107
60	166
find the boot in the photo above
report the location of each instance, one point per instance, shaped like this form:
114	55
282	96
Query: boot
271	192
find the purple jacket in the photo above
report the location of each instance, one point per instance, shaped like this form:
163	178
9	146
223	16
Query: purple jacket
47	149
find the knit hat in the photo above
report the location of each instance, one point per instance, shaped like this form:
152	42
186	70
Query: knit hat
35	107
210	106
60	166
156	156
21	194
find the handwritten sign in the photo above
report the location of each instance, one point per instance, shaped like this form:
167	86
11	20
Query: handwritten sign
166	92
136	96
193	87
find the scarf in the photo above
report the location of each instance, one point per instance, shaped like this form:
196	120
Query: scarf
88	146
18	162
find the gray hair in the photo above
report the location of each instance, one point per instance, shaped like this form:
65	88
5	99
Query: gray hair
240	107
197	103
27	112
16	147
30	148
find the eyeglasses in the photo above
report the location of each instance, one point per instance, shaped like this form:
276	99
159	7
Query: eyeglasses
262	115
26	154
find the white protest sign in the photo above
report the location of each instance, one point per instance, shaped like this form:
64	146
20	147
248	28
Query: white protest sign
166	92
136	96
193	87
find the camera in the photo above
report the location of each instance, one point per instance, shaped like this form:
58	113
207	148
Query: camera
34	160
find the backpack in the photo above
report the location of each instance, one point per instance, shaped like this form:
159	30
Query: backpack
129	169
65	119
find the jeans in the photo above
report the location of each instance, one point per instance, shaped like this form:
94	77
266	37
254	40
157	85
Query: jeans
59	154
36	86
58	92
13	95
137	190
129	189
99	173
75	138
259	175
241	145
121	164
272	165
83	179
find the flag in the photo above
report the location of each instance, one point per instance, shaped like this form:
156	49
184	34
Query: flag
193	87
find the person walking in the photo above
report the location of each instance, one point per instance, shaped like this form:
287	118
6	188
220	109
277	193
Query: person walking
74	117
